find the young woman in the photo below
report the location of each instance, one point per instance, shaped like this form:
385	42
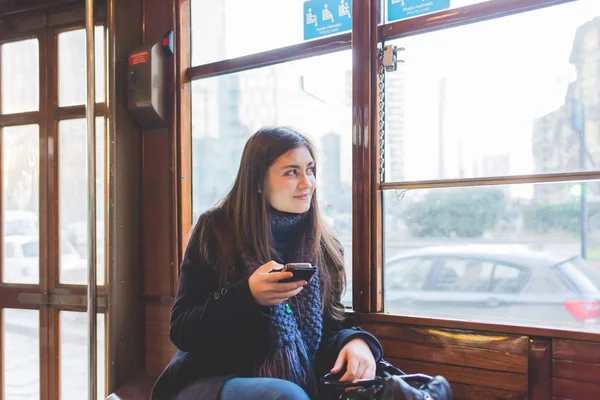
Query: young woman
241	333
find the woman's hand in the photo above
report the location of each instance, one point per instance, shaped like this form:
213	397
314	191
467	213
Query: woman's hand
266	288
358	359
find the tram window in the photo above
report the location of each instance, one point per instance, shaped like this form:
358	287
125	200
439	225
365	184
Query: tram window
20	76
20	203
73	355
21	344
489	99
72	87
310	95
233	28
73	201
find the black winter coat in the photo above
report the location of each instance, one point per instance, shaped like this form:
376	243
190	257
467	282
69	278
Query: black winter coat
221	332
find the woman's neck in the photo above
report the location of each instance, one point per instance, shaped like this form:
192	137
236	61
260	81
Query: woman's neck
284	227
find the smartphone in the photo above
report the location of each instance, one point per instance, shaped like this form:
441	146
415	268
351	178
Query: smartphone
301	271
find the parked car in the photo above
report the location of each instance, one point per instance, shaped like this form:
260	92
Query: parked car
494	283
18	222
21	260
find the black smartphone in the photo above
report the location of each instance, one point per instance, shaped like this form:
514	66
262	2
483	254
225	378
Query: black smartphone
301	271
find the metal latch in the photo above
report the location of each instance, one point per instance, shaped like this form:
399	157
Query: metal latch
390	57
56	299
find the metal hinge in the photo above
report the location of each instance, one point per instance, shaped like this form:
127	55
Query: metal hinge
390	57
57	299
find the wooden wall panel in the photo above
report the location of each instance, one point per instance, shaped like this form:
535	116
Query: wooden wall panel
479	365
460	356
462	391
159	186
576	351
540	368
159	349
575	369
514	344
470	376
575	390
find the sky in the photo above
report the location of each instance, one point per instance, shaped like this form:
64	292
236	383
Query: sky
501	75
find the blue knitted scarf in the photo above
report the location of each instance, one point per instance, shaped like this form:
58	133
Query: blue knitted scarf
296	324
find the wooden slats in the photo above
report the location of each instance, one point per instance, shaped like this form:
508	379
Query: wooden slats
576	351
540	369
159	349
575	390
462	391
460	356
469	376
575	370
479	365
438	336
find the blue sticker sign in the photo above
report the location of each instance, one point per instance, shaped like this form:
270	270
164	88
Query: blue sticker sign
326	17
402	9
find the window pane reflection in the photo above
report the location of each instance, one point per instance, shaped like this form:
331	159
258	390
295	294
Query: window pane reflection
21	345
74	355
20	204
220	28
74	201
413	8
72	61
508	254
20	76
312	95
497	97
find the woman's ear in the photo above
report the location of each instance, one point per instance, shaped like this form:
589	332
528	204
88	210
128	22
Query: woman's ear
259	189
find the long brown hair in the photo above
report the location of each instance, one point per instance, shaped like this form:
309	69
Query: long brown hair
242	214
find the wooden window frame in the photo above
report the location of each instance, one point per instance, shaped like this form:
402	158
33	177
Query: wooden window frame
46	26
367	191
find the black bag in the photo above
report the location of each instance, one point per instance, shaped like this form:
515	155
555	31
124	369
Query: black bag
389	384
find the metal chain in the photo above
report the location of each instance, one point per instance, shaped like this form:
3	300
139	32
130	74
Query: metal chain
381	83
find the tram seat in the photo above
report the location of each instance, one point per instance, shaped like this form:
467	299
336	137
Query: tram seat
138	388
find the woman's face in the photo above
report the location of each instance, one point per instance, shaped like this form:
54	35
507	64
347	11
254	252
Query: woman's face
290	181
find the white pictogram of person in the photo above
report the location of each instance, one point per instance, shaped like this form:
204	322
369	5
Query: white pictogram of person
327	14
311	18
344	9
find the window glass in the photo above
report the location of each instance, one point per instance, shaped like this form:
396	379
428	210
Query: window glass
504	254
508	279
463	275
20	76
310	95
497	98
232	28
407	274
20	191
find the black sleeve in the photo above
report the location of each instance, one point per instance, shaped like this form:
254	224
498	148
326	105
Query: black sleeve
335	337
205	314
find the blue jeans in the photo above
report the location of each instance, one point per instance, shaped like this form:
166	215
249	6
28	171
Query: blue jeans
262	389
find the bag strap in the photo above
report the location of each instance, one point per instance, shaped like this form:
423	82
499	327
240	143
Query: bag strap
333	380
386	370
